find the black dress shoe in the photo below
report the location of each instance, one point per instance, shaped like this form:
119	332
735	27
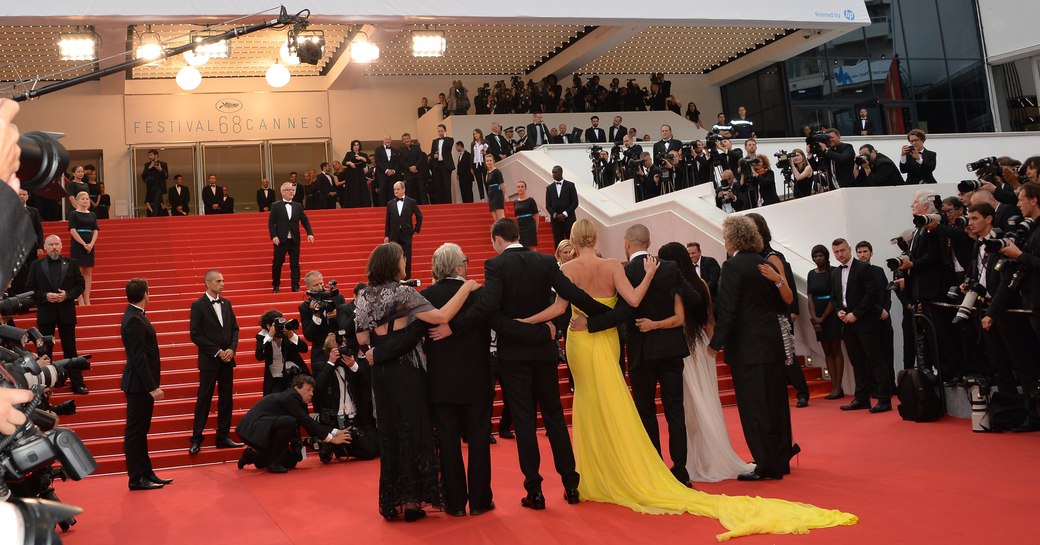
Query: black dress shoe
456	512
474	512
506	434
277	468
571	495
492	440
412	515
158	480
80	390
534	501
753	476
275	290
856	405
144	484
881	407
194	448
227	442
248	457
802	402
297	288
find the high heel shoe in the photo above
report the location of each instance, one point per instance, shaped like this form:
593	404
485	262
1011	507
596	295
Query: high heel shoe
835	394
412	515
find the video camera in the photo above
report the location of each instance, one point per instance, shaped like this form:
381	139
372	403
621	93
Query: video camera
987	169
818	137
783	159
324	299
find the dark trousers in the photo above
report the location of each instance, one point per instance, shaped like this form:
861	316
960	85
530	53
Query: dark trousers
561	230
415	187
480	172
1020	342
135	440
283	430
526	382
466	189
67	334
472	420
440	184
909	339
155	197
951	355
645	377
385	185
765	415
222	380
406	246
873	377
796	379
505	420
292	248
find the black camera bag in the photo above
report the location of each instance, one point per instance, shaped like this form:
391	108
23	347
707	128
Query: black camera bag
918	400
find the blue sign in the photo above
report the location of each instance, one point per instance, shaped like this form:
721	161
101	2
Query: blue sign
850	15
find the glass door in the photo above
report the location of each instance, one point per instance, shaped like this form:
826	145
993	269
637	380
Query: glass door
296	156
237	166
179	159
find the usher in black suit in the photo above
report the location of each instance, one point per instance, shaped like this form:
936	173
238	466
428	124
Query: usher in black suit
264	199
179	196
748	329
211	195
385	182
284	223
399	227
709	271
140	377
862	297
208	333
466	175
561	198
440	169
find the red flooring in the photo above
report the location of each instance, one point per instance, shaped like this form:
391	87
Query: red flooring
935	483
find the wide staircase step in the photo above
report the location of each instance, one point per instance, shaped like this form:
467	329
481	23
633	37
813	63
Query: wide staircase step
174	253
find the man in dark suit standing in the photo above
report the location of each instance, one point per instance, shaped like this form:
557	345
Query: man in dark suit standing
301	190
441	166
855	293
264	196
227	202
594	134
498	145
154	176
537	132
616	133
916	162
56	282
839	158
561	202
18	283
464	161
413	167
864	125
214	330
886	333
399	227
707	268
748	308
326	187
424	108
179	197
386	170
140	383
283	225
211	196
665	144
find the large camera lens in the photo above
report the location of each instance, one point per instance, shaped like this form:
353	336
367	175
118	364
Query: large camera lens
43	160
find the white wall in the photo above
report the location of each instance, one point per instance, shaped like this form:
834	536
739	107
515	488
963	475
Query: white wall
1009	29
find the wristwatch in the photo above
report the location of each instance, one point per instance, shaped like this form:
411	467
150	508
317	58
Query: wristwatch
779	283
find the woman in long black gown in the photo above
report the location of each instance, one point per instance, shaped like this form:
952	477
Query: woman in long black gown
354	162
408	468
526	216
495	192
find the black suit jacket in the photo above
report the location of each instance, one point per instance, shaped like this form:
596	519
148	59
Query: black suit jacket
882	281
182	200
862	294
567	201
399	227
616	134
883	173
290	353
864	125
498	146
747	308
710	271
460	365
383	164
142	372
280	225
207	333
411	156
532	136
359	387
255	427
324	186
40	283
659	150
919	173
209	199
227	205
37	223
264	199
595	135
445	162
842	157
465	165
930	277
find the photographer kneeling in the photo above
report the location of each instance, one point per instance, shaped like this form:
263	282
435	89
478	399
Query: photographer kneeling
271	429
343	387
279	347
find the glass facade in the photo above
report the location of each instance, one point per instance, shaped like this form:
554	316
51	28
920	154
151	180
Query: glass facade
928	73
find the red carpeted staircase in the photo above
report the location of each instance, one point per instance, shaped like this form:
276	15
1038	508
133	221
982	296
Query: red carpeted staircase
174	253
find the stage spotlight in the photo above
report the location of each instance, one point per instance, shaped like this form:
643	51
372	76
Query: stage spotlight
149	46
308	45
428	43
277	75
220	49
188	78
363	51
81	45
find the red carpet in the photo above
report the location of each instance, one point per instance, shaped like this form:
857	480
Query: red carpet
934	483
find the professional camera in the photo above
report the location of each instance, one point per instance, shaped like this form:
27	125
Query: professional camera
783	159
981	164
818	137
42	163
1017	233
16	304
972	294
987	169
281	325
325	299
863	160
967	186
594	153
920	220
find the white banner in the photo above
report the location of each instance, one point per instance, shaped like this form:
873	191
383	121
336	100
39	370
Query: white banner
156	119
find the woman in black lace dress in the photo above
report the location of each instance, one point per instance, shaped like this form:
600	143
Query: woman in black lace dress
356	194
408	468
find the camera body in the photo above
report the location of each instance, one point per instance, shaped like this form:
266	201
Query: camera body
920	220
324	299
987	169
783	159
281	325
863	160
973	294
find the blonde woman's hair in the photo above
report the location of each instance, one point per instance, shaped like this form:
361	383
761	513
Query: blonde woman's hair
564	244
583	234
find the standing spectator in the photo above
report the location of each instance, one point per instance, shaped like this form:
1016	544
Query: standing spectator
464	160
283	225
214	330
495	193
802	174
83	230
458	99
104	206
721	127
56	282
327	186
823	313
561	203
594	134
526	210
414	167
140	383
424	107
495	144
616	133
399	227
179	197
154	176
742	126
666	144
227	202
90	176
301	191
386	171
864	126
441	167
354	163
886	334
264	196
916	162
707	268
211	196
537	132
694	115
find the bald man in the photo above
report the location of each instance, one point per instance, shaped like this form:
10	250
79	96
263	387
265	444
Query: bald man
56	283
387	165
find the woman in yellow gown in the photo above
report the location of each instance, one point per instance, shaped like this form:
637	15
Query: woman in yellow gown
614	456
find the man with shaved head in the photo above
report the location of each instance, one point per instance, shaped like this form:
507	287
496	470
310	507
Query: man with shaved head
56	282
387	160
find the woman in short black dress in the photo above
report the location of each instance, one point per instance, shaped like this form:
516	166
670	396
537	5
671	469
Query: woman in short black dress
408	466
526	216
83	229
824	317
104	203
354	162
72	188
495	191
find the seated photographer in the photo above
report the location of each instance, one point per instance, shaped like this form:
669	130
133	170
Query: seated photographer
279	347
874	169
343	390
318	313
271	428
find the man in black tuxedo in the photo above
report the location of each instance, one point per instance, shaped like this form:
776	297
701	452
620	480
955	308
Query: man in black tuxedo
864	125
562	136
707	268
879	171
227	202
140	383
386	159
399	227
283	225
424	108
441	166
886	333
211	196
561	202
617	131
666	143
594	134
343	398
264	196
916	162
179	197
18	283
326	187
464	160
839	158
855	293
537	132
414	167
154	176
56	282
301	191
748	329
498	145
271	428
214	330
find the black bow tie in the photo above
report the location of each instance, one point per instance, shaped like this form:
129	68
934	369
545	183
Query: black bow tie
400	199
215	301
843	266
559	183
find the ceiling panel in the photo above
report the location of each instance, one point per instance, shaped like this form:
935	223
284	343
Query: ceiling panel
30	51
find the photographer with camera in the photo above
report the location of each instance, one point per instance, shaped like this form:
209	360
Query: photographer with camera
154	176
916	162
837	157
724	194
318	313
647	178
56	282
874	169
279	346
343	391
457	99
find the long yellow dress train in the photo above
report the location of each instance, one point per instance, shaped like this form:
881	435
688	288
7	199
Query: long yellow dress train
619	465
